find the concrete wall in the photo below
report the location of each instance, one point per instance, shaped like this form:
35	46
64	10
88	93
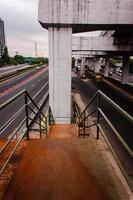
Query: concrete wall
97	14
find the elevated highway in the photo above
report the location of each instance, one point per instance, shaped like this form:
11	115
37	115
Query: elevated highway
64	17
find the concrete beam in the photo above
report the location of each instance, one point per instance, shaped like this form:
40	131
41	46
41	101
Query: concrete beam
84	15
100	44
89	53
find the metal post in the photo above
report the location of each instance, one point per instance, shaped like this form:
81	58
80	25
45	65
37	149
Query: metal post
46	127
98	115
84	122
40	125
49	116
27	118
79	127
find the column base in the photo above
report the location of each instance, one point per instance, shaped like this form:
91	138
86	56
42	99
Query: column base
62	120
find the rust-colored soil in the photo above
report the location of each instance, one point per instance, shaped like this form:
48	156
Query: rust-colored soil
53	169
2	142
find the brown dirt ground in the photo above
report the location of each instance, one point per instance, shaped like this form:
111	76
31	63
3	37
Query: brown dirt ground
63	167
8	173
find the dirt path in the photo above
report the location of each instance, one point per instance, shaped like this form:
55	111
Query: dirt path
56	169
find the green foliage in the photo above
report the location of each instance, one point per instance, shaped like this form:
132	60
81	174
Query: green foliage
13	61
19	59
5	57
38	60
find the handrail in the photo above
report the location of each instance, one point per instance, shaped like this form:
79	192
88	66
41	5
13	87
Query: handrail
92	99
84	117
2	106
116	132
11	119
35	104
123	112
83	125
30	115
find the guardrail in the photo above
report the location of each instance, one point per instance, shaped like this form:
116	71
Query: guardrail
31	111
82	119
8	75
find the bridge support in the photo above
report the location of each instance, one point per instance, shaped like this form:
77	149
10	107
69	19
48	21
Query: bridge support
97	65
106	70
60	55
82	72
125	70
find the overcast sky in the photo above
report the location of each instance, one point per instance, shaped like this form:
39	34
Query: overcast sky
22	28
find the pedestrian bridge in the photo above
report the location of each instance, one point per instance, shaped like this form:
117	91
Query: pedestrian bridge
64	167
62	161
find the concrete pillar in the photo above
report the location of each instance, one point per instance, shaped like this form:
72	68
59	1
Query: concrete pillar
76	62
82	71
125	70
60	57
90	63
97	65
106	69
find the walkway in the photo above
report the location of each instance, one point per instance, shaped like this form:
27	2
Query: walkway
62	168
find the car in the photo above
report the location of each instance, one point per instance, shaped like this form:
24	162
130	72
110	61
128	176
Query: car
98	78
110	73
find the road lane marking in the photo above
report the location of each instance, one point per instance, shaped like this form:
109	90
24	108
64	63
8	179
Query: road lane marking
9	90
33	85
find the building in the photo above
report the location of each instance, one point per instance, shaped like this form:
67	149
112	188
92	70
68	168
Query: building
2	37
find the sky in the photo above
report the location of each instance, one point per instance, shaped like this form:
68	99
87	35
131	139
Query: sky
22	28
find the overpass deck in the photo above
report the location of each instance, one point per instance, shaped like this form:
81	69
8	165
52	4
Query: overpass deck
64	167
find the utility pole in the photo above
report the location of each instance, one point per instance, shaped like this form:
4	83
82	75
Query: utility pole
35	49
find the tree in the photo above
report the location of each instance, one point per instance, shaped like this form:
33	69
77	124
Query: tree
5	56
19	59
13	62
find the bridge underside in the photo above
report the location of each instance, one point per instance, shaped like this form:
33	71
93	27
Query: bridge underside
64	17
77	28
101	53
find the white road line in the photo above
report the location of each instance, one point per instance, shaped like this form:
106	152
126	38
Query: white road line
33	85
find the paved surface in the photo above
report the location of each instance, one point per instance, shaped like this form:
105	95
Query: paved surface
32	81
63	167
6	70
87	89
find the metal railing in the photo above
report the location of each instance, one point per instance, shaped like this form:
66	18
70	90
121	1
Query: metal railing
32	113
82	118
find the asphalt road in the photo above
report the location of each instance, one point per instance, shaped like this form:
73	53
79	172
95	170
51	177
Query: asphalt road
5	70
32	81
87	89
